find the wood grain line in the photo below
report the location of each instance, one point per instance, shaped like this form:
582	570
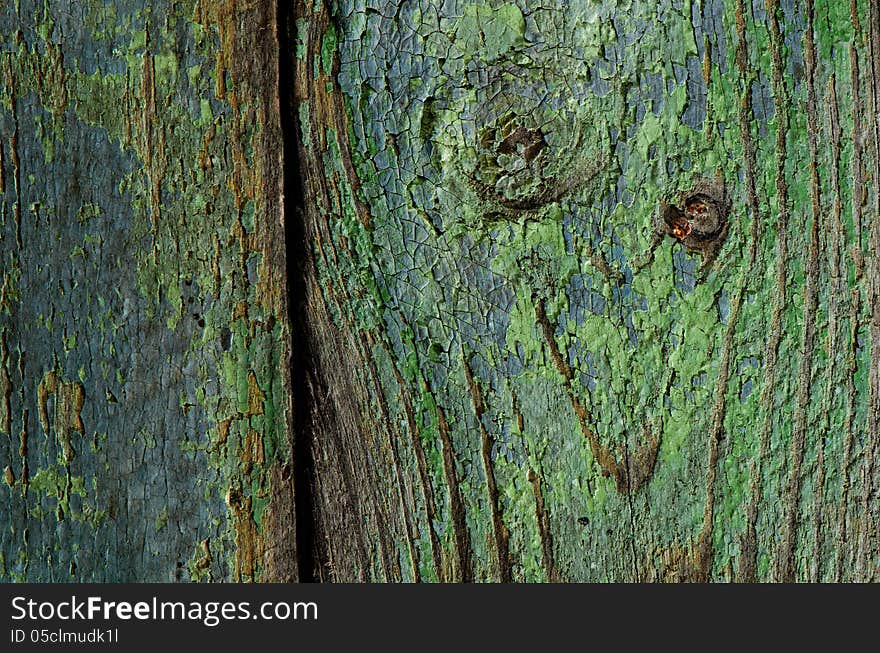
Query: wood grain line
501	537
791	504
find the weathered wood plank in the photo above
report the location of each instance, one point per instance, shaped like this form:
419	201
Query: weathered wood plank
145	404
579	292
541	382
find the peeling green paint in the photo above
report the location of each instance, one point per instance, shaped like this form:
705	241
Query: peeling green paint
518	155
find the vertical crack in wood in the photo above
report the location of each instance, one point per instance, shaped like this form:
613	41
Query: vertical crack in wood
298	258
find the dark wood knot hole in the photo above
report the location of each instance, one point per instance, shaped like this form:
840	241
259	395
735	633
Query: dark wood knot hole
699	217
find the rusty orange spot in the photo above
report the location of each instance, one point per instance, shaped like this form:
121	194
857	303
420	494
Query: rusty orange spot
681	229
697	208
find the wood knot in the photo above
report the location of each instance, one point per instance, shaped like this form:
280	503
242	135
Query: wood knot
520	143
512	166
525	142
699	218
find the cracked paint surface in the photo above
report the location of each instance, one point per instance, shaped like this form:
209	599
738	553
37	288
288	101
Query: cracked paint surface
141	313
576	409
537	398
